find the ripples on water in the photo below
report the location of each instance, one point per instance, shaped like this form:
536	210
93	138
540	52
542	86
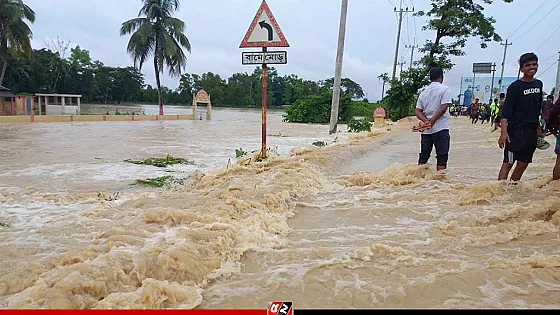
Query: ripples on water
354	225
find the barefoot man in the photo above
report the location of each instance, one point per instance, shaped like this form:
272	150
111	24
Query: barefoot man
553	123
432	111
520	119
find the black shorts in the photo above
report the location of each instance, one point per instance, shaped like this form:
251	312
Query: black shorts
522	145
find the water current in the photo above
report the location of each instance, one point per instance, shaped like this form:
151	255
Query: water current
355	224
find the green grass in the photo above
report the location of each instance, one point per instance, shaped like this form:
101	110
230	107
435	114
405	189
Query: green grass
161	162
158	181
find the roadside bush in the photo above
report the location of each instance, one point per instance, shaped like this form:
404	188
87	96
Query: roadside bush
359	125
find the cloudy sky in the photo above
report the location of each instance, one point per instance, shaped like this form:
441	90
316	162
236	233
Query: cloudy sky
216	28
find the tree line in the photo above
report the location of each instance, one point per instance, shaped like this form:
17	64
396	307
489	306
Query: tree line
48	72
157	34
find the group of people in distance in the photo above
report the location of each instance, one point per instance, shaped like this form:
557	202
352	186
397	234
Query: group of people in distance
490	113
521	114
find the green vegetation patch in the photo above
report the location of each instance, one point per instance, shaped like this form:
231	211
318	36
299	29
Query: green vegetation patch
158	181
359	125
161	162
320	144
4	225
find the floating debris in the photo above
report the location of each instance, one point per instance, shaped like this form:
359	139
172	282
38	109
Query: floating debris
161	162
158	181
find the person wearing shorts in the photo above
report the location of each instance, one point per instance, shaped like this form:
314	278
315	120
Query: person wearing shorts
520	120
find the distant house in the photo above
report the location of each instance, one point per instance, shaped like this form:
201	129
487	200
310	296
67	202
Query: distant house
58	104
7	102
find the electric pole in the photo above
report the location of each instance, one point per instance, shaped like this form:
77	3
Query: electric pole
492	87
338	68
412	47
503	64
557	87
402	63
400	12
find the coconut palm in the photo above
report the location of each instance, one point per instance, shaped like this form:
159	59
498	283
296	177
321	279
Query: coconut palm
384	77
15	34
155	32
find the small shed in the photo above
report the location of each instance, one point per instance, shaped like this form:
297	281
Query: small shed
58	104
379	118
202	97
7	102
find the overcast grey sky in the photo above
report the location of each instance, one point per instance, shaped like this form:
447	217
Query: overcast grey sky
216	27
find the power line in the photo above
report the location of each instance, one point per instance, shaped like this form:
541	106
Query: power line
407	29
530	16
538	22
414	20
553	33
400	11
497	51
547	69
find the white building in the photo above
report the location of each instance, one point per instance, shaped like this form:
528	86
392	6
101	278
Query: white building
58	104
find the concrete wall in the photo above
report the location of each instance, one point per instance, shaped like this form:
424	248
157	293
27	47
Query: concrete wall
69	118
57	110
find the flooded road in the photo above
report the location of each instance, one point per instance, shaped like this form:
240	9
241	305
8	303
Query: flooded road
352	225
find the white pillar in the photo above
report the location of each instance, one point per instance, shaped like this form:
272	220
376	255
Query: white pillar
79	109
63	103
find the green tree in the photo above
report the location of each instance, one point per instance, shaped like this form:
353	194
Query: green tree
401	97
316	109
155	32
457	21
15	34
348	87
384	77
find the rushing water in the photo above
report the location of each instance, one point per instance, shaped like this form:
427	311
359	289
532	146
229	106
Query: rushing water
352	225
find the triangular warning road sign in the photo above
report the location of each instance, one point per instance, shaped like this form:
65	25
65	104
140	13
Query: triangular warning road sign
264	31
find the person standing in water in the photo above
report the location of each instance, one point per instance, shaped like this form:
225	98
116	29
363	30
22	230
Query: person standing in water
546	107
520	120
474	111
553	125
432	111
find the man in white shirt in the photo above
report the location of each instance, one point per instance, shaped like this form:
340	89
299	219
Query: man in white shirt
431	109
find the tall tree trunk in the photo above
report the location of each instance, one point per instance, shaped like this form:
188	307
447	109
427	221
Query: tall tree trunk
158	83
338	70
383	91
4	66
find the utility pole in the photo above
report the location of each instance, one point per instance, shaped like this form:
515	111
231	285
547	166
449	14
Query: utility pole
557	87
504	64
338	68
412	47
400	12
402	63
492	87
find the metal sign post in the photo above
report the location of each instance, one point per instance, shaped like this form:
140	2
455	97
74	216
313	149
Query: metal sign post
264	105
485	67
264	32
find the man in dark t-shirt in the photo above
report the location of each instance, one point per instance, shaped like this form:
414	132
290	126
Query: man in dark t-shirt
520	119
546	107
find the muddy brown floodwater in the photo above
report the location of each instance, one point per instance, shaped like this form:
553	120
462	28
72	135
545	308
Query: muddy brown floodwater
353	225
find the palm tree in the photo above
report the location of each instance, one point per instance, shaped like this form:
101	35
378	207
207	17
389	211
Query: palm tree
384	77
15	34
156	32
